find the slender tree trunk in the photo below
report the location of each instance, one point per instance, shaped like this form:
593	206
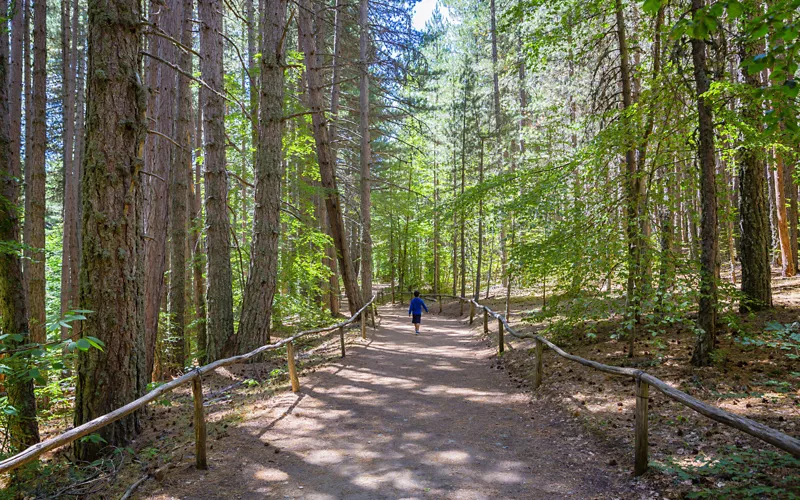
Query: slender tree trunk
787	254
179	176
197	244
632	191
436	235
792	212
754	244
220	287
480	225
111	283
324	155
70	251
22	426
707	313
262	279
366	152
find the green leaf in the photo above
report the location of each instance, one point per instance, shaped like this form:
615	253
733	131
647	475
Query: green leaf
83	344
651	6
735	9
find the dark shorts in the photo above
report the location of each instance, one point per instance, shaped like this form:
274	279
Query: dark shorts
416	318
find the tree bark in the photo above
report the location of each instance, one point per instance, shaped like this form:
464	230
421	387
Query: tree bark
159	156
262	278
111	280
70	251
220	287
754	243
179	176
366	152
36	181
196	243
787	254
324	156
23	428
707	313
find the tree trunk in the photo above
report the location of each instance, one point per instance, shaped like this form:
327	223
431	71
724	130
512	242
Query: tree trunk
632	194
366	153
262	278
220	287
22	426
755	238
787	254
326	166
70	252
792	212
179	176
477	292
36	181
707	313
111	280
159	155
196	243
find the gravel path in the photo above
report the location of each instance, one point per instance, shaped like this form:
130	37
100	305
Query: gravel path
404	416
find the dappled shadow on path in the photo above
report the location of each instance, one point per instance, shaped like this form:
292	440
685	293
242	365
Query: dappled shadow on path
404	417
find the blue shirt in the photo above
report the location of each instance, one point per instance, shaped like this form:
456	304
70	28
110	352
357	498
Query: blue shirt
416	306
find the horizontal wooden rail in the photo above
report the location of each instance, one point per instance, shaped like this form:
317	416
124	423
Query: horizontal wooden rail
194	376
643	380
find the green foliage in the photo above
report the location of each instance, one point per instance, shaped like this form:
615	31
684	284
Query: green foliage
738	473
782	336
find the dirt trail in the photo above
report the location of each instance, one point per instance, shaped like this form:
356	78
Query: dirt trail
404	417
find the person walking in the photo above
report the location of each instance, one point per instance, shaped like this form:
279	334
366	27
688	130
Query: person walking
415	311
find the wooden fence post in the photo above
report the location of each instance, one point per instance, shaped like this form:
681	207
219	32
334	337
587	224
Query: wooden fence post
537	374
199	424
642	397
471	312
292	368
341	338
501	341
373	313
364	325
485	321
440	304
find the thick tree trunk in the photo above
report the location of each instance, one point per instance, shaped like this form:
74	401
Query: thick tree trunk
22	426
262	278
707	313
366	153
330	258
36	181
179	176
755	238
220	287
325	158
111	283
159	154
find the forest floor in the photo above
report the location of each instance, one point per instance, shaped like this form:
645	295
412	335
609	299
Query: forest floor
690	455
401	416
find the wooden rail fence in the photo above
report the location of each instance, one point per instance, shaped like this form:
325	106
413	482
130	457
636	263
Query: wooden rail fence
643	382
195	377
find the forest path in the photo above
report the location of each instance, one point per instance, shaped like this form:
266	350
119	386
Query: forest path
403	416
